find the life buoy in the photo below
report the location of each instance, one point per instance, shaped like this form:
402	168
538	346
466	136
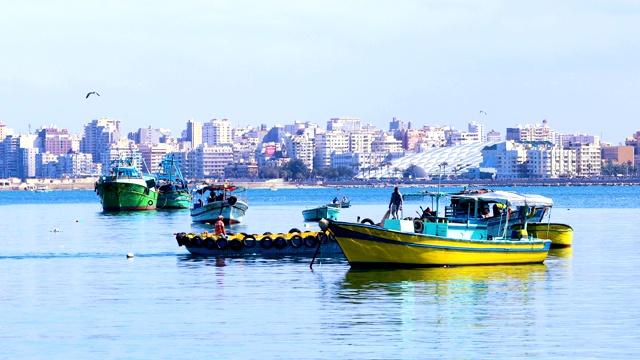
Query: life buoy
232	200
418	226
367	221
294	230
280	243
222	243
322	237
310	241
196	241
150	202
235	245
249	241
296	241
210	243
266	242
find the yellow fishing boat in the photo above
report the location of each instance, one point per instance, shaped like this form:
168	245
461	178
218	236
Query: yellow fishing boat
399	243
561	235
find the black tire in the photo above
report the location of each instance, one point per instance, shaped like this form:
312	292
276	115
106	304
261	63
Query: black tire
244	235
294	230
418	226
235	245
210	243
280	242
267	233
222	243
196	241
249	241
310	241
179	237
266	242
322	237
186	241
232	200
367	221
296	241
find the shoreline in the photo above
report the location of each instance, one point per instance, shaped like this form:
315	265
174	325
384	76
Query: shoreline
89	183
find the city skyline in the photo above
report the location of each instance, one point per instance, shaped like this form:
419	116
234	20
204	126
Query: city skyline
276	62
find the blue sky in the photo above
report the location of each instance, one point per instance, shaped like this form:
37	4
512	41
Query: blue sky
160	63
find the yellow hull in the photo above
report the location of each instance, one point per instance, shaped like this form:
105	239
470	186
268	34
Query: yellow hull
365	245
561	235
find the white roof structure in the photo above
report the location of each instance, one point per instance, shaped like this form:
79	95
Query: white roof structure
510	198
451	160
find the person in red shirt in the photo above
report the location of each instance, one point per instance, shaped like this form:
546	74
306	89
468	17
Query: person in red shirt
220	230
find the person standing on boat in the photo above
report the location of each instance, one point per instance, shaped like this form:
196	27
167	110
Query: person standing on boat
395	204
220	230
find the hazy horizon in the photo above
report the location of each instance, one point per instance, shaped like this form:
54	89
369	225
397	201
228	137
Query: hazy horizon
574	63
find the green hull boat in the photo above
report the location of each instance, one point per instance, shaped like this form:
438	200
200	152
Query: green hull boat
126	189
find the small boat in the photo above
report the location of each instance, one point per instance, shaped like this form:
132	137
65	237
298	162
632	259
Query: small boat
398	243
294	243
561	235
329	211
211	201
125	188
343	202
173	191
42	189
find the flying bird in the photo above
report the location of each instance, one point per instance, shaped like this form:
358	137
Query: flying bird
482	112
93	92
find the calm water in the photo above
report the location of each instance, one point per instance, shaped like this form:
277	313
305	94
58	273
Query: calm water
74	294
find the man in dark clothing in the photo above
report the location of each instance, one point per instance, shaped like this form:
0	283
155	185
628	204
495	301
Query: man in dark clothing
395	204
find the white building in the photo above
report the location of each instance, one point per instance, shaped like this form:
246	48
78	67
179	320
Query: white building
327	144
217	132
300	147
210	161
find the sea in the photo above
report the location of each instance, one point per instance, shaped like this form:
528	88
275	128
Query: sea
69	290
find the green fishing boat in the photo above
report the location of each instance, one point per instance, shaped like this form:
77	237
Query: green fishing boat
125	188
173	191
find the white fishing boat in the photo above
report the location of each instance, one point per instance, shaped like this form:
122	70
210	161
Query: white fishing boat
211	201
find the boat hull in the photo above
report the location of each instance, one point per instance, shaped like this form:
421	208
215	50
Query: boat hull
322	212
126	195
208	213
174	200
374	246
240	245
561	235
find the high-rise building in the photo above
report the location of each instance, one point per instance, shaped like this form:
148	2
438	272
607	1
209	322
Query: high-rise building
328	143
99	135
194	133
217	132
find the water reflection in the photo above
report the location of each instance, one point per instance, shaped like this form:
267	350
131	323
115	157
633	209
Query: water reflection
562	253
470	282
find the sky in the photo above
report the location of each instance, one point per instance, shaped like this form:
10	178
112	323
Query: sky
160	63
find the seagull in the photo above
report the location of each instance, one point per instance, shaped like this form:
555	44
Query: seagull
481	111
93	92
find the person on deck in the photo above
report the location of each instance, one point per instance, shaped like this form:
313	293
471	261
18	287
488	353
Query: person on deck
395	204
220	230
